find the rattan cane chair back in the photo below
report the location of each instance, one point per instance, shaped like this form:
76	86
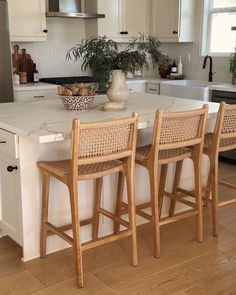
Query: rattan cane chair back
179	129
226	127
103	141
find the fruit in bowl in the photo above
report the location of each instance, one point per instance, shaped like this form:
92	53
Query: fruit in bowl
77	97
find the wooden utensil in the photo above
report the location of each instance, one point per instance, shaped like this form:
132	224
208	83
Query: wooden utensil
25	64
15	56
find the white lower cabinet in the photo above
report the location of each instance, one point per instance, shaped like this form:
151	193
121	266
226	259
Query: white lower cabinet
10	190
153	88
34	95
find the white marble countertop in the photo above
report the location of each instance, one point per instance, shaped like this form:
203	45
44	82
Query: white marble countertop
224	87
48	120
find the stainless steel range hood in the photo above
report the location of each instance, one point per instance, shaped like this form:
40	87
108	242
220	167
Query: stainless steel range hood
69	8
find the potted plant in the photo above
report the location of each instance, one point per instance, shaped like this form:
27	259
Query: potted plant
102	55
232	68
164	66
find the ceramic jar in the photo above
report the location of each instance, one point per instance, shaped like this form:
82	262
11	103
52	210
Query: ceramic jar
118	90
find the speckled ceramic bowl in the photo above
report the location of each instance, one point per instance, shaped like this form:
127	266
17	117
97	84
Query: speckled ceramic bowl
77	103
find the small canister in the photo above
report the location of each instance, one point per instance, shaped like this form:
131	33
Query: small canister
23	77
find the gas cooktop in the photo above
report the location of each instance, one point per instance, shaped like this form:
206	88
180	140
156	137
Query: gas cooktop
68	80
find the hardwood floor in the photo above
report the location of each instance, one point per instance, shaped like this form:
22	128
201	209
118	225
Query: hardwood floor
186	267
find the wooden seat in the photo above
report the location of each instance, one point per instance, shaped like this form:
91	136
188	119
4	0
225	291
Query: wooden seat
97	149
223	139
176	136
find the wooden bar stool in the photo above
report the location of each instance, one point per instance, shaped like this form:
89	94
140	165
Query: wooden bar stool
97	150
223	139
176	136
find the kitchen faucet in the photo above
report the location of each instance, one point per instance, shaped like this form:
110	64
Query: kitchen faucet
210	69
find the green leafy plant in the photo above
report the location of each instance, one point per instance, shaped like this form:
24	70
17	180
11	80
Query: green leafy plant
102	55
148	45
232	68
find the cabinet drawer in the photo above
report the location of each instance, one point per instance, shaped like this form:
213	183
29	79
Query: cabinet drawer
137	87
9	144
153	88
27	96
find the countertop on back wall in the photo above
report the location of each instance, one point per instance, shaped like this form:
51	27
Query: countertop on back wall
34	86
144	79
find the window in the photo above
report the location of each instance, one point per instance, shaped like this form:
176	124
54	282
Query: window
219	18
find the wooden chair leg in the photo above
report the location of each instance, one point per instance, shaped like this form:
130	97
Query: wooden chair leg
96	206
129	171
178	170
155	211
215	197
208	189
120	191
162	183
44	215
76	234
198	193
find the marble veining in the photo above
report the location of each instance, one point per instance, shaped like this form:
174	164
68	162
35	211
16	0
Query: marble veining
48	121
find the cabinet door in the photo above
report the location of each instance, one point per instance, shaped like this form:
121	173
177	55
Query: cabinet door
136	86
10	200
111	25
27	20
135	17
166	18
123	18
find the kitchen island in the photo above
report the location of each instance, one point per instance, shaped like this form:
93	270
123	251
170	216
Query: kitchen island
40	130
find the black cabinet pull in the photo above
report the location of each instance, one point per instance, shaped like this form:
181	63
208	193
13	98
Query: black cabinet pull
175	32
39	96
11	168
122	32
45	31
2	141
125	32
152	89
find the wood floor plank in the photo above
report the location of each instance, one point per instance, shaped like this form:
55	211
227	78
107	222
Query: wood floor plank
11	263
205	268
67	287
54	268
7	245
22	283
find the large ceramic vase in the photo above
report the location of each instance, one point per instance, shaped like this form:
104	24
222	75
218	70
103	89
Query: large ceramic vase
118	90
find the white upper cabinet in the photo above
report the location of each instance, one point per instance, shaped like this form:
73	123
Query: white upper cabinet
27	20
173	20
123	18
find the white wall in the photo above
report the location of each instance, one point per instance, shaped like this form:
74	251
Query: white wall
64	33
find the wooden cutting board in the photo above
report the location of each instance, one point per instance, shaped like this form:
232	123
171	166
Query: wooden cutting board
25	64
15	56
